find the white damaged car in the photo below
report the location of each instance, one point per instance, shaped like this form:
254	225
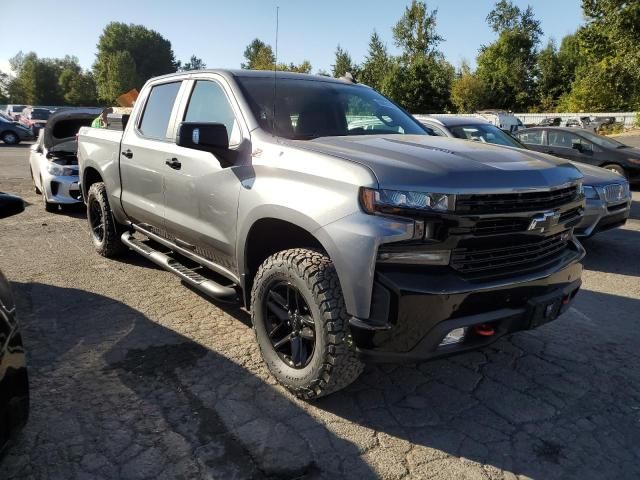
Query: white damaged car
52	160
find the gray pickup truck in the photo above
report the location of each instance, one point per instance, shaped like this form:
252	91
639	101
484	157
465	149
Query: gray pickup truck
347	231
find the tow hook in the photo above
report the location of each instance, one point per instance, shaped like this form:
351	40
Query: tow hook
484	330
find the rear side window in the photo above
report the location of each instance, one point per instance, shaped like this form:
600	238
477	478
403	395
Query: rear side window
208	103
530	138
157	111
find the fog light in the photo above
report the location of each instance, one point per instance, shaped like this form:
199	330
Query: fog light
454	336
415	257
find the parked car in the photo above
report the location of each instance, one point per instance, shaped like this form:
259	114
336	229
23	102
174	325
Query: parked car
580	122
52	160
35	118
502	119
345	244
14	382
14	111
550	122
12	133
608	197
585	147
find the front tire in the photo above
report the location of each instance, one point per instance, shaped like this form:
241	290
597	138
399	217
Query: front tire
102	225
48	206
301	323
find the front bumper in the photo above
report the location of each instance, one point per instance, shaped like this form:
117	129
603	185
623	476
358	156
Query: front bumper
415	308
63	190
600	216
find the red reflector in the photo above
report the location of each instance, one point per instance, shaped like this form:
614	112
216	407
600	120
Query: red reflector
566	300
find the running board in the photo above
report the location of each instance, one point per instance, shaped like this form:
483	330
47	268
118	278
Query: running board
187	275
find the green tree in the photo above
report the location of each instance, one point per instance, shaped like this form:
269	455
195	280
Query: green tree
550	84
507	67
467	91
608	75
420	79
343	64
415	33
259	56
194	63
4	87
117	75
150	53
36	80
376	64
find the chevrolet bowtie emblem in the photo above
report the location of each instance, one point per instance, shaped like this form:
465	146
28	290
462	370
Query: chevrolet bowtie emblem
544	221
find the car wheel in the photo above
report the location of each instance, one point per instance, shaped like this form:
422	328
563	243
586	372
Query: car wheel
48	206
104	233
10	138
35	187
301	323
612	167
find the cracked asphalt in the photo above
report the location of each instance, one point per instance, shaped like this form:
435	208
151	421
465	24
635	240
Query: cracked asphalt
134	376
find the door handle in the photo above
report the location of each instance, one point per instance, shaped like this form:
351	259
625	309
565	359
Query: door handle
174	163
128	153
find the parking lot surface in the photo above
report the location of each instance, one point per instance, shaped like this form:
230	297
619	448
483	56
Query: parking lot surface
135	376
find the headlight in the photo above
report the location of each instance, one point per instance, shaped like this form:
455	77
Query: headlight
590	193
397	201
60	171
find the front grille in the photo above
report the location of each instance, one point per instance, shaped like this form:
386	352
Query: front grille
496	226
527	254
614	193
515	202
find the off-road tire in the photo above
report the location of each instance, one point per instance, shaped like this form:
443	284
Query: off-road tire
110	244
334	364
616	168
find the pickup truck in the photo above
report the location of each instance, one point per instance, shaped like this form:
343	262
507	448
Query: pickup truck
348	232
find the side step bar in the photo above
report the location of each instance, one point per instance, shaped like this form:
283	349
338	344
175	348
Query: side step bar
205	285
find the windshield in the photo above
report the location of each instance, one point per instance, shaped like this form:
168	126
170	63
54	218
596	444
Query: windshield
18	108
307	109
602	141
485	134
40	114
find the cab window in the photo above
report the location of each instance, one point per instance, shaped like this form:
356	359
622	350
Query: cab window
209	103
157	111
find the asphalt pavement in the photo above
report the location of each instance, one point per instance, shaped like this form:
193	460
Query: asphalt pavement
135	376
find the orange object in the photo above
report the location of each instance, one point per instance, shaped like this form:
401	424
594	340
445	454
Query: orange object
484	330
128	99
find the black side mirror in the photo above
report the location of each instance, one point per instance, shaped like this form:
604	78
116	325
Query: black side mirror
209	137
10	205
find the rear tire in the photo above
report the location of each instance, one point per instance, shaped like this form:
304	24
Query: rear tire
102	226
612	167
10	138
332	363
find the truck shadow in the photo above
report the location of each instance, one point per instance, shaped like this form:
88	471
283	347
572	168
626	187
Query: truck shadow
558	402
614	251
118	395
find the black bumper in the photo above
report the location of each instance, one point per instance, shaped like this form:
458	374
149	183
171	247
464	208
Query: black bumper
415	308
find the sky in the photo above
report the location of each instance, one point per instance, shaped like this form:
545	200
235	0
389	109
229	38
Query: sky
218	31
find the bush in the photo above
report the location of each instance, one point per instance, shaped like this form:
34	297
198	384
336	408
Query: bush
611	129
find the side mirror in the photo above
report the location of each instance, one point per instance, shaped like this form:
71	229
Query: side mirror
209	137
10	205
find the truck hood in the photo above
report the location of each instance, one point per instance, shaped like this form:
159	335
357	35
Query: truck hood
447	165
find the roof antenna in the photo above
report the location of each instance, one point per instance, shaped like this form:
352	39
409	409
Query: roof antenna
275	76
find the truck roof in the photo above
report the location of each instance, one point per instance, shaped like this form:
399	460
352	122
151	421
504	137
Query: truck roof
256	73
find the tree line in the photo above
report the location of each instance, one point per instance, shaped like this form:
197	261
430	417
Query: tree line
596	68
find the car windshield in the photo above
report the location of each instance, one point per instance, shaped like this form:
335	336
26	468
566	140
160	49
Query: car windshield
18	108
603	141
307	109
485	134
40	114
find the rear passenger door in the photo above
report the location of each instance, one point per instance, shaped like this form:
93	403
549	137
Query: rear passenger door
570	146
143	155
533	139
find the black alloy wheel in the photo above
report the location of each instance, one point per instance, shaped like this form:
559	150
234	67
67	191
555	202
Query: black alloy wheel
289	324
96	220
